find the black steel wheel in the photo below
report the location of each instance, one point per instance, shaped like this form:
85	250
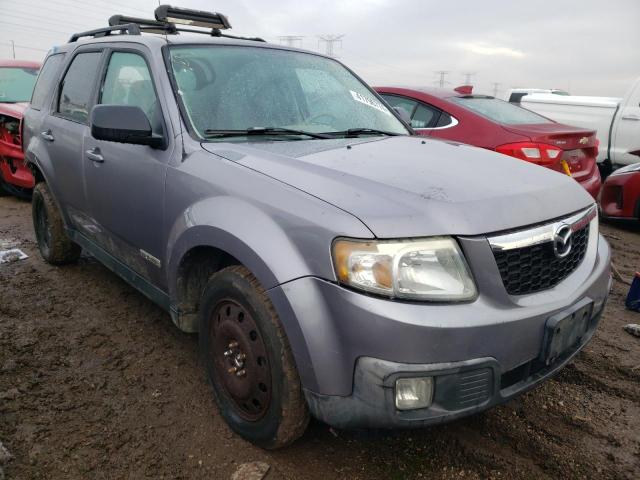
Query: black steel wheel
249	360
240	359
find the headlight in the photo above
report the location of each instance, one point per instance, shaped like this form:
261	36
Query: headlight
425	269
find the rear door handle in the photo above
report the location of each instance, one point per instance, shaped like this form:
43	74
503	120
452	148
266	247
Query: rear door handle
48	136
94	155
631	117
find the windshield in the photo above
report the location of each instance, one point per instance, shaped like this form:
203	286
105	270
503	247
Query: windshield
500	111
16	84
239	88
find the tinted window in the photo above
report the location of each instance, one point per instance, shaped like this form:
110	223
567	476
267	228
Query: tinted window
444	120
517	97
128	82
499	111
46	80
236	88
77	86
16	84
423	117
401	103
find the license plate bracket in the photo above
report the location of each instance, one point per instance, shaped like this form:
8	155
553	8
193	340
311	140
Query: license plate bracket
565	330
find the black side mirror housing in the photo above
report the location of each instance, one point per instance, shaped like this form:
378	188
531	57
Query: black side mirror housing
123	124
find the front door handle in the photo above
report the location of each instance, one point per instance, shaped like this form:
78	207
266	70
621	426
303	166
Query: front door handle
94	155
48	136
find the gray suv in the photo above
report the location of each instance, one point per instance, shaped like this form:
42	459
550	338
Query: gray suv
332	263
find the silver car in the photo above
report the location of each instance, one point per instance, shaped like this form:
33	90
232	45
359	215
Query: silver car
332	263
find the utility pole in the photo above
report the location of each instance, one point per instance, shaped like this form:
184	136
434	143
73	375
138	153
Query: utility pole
330	41
495	88
291	40
443	74
467	77
13	48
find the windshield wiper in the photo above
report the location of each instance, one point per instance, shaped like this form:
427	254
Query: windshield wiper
354	132
209	133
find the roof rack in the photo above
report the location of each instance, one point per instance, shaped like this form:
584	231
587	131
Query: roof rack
128	29
165	23
145	25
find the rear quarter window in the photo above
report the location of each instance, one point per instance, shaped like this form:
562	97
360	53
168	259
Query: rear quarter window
46	81
500	111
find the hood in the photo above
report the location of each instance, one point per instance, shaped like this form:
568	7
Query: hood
15	110
562	136
411	187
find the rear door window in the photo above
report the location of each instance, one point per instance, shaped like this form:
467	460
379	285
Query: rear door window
500	111
401	103
78	87
46	80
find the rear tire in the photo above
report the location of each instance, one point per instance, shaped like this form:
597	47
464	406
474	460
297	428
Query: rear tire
249	361
53	242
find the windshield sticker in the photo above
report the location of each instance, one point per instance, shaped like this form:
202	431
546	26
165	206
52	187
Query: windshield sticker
370	102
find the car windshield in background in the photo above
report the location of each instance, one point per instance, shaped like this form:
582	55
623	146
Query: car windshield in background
500	111
236	88
16	84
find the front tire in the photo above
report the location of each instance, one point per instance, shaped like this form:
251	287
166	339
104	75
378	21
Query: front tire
53	242
249	361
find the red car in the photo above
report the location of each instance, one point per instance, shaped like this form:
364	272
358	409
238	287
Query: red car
490	123
620	195
17	79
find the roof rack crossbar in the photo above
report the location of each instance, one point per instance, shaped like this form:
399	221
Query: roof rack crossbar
127	29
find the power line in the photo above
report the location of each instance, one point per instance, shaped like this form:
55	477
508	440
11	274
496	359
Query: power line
41	19
22	25
330	41
96	10
11	43
290	40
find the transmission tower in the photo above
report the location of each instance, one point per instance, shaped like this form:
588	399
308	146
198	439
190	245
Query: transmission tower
442	80
468	76
495	88
330	41
291	40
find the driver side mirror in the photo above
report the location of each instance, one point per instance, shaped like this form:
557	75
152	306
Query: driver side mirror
123	124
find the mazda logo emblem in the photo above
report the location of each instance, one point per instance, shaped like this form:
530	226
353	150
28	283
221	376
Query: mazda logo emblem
562	241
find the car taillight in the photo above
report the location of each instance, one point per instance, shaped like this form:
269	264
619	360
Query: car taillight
539	153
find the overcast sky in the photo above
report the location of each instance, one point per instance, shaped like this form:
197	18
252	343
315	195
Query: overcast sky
589	47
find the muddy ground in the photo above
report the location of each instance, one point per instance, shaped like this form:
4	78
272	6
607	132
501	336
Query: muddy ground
95	382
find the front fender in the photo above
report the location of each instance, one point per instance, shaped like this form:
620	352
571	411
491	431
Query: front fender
240	229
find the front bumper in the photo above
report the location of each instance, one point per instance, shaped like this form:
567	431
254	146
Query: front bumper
12	167
348	346
461	389
620	196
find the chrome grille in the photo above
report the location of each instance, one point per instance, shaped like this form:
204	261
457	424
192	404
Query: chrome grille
527	260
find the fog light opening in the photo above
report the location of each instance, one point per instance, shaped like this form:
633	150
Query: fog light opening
414	393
